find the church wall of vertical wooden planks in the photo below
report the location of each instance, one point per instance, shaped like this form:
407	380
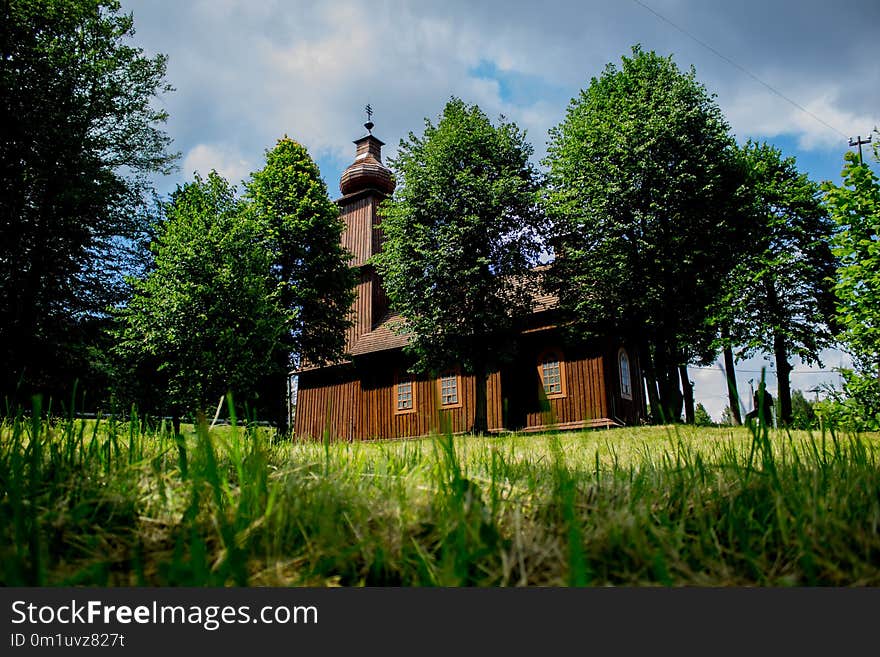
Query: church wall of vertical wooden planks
552	383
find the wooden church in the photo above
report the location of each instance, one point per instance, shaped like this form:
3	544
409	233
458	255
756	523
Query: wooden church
551	384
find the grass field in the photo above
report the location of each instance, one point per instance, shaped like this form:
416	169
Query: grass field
111	503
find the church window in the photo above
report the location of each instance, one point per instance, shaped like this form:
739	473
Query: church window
625	379
449	390
551	370
405	394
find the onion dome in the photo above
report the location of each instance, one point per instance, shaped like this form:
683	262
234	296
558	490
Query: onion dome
367	170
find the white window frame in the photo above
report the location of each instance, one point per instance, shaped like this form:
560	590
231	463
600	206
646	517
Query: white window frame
400	381
623	367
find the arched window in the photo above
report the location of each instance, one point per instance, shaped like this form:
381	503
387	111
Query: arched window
625	379
551	371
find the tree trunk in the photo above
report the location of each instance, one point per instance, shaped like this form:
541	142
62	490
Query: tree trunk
732	391
783	372
688	389
674	400
670	393
647	365
182	460
481	419
280	401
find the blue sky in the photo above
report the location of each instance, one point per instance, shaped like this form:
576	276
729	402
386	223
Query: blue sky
248	72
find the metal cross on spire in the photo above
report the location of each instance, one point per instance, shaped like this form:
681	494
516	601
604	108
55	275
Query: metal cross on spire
369	124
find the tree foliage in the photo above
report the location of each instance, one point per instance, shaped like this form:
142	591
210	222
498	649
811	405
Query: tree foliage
803	414
642	186
310	266
80	137
728	419
855	208
240	285
460	239
702	417
780	299
207	319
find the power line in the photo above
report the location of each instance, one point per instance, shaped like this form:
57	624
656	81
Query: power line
742	68
767	370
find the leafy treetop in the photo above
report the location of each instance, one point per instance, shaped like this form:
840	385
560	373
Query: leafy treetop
80	137
310	265
208	317
642	186
460	238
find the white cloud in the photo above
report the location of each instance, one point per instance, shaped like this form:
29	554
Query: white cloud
824	124
226	160
248	72
812	136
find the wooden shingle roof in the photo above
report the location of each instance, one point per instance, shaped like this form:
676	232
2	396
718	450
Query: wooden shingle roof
384	336
387	333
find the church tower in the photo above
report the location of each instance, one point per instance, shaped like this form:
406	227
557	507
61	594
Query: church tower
364	185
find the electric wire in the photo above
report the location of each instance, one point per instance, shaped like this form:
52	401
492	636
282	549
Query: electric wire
741	68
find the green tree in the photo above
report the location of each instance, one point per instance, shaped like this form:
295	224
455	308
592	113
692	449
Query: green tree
207	319
642	185
855	208
702	417
460	239
80	137
316	285
779	299
803	415
728	419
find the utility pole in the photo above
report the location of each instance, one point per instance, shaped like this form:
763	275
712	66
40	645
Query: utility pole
858	141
